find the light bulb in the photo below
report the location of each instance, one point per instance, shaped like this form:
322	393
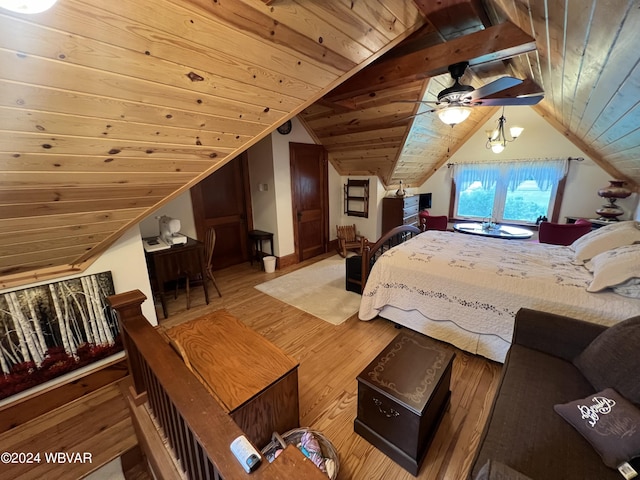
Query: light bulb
497	147
27	6
454	115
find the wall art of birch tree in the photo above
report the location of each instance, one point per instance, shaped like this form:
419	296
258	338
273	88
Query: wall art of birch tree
51	329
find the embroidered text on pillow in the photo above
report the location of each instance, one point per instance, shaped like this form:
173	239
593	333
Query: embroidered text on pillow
601	406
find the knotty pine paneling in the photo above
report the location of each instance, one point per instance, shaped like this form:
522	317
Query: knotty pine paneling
13	119
67	232
48	195
109	109
95	96
61	208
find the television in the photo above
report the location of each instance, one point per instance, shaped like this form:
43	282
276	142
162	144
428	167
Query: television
425	201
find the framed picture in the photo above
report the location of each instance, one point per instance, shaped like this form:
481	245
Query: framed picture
52	329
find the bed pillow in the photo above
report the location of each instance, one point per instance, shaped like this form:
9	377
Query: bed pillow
609	422
614	267
603	239
630	288
612	360
494	470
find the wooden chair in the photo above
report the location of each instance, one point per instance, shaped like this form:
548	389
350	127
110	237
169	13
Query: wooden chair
348	239
209	245
194	278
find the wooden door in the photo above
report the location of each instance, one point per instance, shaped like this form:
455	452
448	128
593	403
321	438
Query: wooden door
222	200
309	191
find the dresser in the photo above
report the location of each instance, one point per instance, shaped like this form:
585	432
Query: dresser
399	211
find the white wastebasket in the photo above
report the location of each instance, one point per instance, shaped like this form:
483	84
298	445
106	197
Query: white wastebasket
269	264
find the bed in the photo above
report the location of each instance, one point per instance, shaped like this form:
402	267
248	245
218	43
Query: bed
466	289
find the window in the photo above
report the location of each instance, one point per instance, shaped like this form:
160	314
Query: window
514	192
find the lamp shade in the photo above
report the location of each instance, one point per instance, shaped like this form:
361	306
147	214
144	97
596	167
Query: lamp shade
27	6
515	131
454	115
497	147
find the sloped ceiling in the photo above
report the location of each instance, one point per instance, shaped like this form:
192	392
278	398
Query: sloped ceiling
110	109
584	61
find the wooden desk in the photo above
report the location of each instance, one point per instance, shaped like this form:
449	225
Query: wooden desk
252	379
177	262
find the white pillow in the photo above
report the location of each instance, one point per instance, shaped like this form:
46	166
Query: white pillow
603	239
614	267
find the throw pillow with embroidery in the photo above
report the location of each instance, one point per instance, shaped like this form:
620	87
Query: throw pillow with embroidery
609	422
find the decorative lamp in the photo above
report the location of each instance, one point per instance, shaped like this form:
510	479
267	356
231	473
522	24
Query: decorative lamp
610	211
497	139
454	115
27	6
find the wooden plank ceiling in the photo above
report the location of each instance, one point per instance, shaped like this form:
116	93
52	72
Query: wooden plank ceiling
110	109
583	60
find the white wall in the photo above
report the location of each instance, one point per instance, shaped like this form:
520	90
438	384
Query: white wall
273	209
262	183
180	208
538	141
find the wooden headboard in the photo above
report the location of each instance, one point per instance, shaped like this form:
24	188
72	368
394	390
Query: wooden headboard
393	237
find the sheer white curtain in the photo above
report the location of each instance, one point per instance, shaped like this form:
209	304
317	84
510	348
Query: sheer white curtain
546	173
464	174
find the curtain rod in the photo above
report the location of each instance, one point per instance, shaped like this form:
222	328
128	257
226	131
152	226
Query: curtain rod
575	159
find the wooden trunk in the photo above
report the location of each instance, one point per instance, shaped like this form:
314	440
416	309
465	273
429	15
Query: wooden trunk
402	395
252	379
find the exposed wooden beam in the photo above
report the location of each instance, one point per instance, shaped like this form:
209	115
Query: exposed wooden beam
495	43
453	18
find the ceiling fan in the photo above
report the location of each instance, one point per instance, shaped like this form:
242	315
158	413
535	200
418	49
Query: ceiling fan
454	103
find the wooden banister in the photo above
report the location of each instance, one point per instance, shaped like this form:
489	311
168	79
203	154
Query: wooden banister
197	428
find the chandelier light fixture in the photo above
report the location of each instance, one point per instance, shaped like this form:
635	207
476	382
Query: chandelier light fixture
27	6
454	115
497	139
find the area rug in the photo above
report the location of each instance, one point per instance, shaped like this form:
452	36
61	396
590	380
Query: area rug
318	289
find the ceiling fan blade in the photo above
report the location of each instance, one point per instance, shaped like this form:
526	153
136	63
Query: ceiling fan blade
493	87
506	102
433	102
404	119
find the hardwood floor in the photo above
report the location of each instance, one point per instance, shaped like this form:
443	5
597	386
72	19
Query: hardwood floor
330	359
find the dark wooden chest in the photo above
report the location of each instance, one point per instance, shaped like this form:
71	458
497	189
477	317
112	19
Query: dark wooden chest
402	395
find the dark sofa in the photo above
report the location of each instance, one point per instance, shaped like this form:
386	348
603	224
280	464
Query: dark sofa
523	432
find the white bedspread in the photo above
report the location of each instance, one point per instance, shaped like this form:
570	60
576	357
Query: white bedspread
466	289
